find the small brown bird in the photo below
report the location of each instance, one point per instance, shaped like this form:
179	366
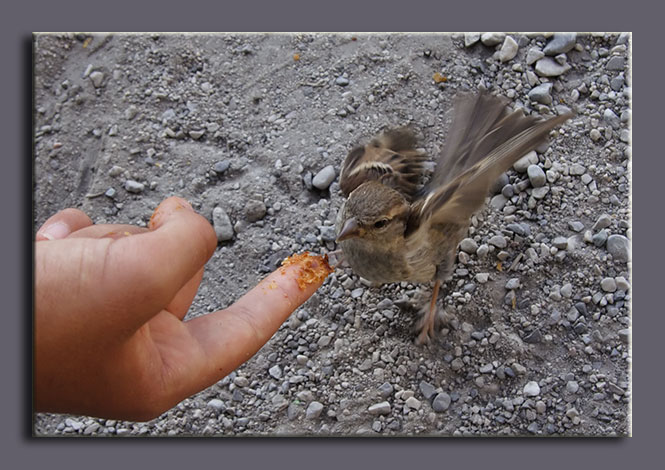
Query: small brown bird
391	229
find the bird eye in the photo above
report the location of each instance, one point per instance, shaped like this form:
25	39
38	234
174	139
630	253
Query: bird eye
380	223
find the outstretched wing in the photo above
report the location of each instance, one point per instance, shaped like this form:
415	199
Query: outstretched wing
390	158
493	146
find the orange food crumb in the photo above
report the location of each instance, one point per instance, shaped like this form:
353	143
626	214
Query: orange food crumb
313	268
87	42
499	267
438	78
296	57
514	302
353	38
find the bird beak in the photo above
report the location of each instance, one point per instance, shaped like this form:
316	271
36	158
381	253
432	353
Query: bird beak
351	229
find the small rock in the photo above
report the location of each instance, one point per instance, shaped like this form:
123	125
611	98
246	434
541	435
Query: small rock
577	169
615	63
513	283
386	389
134	186
482	278
470	39
313	410
534	55
619	247
222	224
216	404
531	389
468	245
575	225
622	283
572	386
599	239
608	284
548	67
541	93
324	178
97	78
196	134
255	210
342	81
427	390
508	49
611	118
536	176
221	166
275	372
540	193
498	241
382	408
441	402
523	163
492	39
110	193
498	202
560	43
567	290
603	221
413	403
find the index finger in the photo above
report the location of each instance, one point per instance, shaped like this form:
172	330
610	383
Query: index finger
230	337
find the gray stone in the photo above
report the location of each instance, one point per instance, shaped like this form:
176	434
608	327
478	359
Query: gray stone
498	241
540	193
599	239
548	67
617	83
513	283
222	224
314	410
324	178
97	78
541	93
608	284
482	278
615	63
561	42
196	134
498	202
255	210
622	283
523	163
342	81
427	389
534	55
382	408
134	186
603	221
577	169
441	402
575	225
567	290
508	49
216	404
221	166
468	245
572	386
275	372
560	242
110	193
536	176
470	39
619	247
531	389
611	118
386	389
413	403
492	39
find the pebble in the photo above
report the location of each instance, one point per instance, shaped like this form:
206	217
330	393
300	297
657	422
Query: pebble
498	241
110	193
622	283
611	118
531	389
468	245
498	202
216	404
492	39
413	403
314	410
342	81
561	42
482	278
577	169
599	239
615	63
533	55
608	284
541	93
134	186
470	39
275	372
441	402
548	67
255	210
97	78
566	290
539	193
572	386
196	134
386	389
619	247
513	283
382	408
324	178
575	225
427	389
523	163
536	176
222	224
595	134
508	49
603	221
221	166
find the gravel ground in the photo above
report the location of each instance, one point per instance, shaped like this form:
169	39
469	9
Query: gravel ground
252	130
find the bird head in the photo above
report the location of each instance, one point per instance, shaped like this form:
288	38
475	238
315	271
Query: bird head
374	212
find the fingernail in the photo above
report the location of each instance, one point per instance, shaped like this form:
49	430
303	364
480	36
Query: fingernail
55	231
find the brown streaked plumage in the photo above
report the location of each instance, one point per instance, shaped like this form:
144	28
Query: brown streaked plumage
390	229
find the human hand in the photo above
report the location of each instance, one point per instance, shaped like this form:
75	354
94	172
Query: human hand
109	335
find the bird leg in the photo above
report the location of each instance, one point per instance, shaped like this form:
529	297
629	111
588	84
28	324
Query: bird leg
427	329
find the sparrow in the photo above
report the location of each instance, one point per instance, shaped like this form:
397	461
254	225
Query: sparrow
396	227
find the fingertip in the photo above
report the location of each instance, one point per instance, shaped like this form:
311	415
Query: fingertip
62	224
